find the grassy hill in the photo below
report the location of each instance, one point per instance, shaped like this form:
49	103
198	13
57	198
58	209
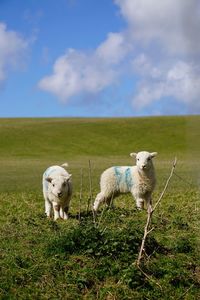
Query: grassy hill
47	138
28	146
43	259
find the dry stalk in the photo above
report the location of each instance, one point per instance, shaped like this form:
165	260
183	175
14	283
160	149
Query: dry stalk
89	204
147	229
101	216
183	295
148	277
104	208
80	196
90	186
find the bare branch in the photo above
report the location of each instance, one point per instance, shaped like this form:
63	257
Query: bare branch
101	216
90	186
90	194
149	216
150	230
146	231
148	277
80	196
167	183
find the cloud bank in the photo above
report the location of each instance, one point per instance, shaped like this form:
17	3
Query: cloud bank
12	50
78	72
159	48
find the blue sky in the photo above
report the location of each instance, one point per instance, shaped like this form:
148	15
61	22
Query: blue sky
99	58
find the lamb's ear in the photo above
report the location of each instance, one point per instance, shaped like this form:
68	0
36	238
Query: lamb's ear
49	179
153	154
65	165
68	177
133	154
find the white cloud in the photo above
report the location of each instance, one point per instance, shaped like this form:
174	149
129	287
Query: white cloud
144	66
114	49
79	72
12	50
173	24
161	43
167	32
180	81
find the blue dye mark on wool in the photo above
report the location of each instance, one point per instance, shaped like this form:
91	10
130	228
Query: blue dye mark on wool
128	178
123	177
118	174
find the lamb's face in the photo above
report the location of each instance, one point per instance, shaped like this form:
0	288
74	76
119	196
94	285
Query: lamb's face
144	159
58	186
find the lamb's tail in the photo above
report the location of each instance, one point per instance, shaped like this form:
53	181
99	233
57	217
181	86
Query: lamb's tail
65	165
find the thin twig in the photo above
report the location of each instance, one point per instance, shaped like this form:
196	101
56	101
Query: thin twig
166	185
150	213
148	277
104	208
146	231
90	193
181	297
90	187
191	184
80	195
101	216
90	178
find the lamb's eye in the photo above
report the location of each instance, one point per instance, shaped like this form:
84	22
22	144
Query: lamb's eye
138	159
53	184
149	158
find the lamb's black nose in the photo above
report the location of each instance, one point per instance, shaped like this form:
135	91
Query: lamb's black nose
59	194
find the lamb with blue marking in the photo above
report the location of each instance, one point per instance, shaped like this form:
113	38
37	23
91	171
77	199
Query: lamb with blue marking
57	191
139	180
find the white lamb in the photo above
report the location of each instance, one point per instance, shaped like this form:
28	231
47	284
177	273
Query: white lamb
139	180
57	191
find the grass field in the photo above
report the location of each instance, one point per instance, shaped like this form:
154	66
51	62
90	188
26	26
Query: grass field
43	259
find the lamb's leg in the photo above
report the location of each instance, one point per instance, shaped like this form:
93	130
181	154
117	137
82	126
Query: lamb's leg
149	204
99	199
61	212
56	209
139	200
140	203
48	207
65	213
109	201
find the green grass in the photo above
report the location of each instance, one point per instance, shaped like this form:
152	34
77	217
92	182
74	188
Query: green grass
43	259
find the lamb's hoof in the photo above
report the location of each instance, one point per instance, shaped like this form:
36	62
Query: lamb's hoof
94	212
149	210
139	209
